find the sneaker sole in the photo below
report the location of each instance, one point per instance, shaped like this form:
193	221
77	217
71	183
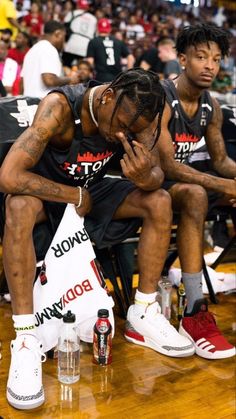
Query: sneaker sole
205	354
25	405
149	343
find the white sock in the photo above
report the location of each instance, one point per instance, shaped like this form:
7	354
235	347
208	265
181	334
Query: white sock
141	301
24	324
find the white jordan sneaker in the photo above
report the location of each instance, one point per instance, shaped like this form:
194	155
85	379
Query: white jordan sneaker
153	330
24	386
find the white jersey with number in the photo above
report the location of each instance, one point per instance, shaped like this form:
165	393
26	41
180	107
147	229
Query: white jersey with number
84	26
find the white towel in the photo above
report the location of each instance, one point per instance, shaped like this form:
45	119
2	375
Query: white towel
71	281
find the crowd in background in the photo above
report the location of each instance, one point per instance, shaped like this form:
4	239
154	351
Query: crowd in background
147	29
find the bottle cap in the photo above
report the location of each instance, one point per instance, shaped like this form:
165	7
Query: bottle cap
69	317
103	313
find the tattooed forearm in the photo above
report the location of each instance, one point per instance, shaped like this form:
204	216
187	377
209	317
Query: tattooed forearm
31	184
31	142
37	186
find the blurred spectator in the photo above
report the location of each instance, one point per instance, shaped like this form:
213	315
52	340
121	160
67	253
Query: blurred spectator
105	53
83	26
85	71
57	13
8	17
219	17
134	30
48	10
222	82
21	12
118	35
33	21
9	69
167	54
68	6
177	19
22	46
42	67
228	64
6	36
151	61
138	54
185	20
123	17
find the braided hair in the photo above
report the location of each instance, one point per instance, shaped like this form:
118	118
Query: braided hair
142	88
202	33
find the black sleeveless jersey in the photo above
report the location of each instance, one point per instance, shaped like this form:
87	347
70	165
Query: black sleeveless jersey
85	161
187	132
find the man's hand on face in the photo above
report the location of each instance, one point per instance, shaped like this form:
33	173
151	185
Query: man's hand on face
136	163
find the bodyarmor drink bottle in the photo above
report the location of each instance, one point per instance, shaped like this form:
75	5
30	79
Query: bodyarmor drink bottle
102	339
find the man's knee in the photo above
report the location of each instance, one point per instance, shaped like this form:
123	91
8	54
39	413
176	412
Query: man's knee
21	211
157	204
194	201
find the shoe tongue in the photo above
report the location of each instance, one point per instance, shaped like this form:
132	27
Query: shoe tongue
26	341
153	308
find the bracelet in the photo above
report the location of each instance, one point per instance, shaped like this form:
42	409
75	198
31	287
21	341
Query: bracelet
80	197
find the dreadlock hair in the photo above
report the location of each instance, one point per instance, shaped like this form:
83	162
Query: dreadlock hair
143	88
202	33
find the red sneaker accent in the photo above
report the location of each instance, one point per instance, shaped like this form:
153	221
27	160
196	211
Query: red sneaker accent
209	342
130	332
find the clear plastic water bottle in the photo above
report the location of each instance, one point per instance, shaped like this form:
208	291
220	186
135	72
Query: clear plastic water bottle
69	351
165	289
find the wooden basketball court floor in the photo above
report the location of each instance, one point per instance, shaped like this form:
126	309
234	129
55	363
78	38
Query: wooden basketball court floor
140	383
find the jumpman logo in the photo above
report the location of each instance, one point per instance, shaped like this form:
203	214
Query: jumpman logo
23	346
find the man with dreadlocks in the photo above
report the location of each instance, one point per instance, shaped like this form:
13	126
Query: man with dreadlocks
191	114
62	159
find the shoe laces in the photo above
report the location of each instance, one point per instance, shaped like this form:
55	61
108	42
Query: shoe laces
205	321
164	326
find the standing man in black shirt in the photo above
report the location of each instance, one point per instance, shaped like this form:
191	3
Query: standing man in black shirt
105	53
151	61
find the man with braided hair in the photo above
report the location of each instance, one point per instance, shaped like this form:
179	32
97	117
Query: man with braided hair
75	131
190	117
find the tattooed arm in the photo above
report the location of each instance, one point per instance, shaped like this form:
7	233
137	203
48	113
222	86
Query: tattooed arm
53	121
222	163
180	172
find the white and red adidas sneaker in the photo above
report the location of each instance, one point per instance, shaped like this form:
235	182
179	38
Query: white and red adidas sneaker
200	327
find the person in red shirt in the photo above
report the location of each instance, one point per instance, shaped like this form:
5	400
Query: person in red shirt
34	21
22	46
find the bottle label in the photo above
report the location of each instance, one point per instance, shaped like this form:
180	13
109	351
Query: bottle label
102	342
